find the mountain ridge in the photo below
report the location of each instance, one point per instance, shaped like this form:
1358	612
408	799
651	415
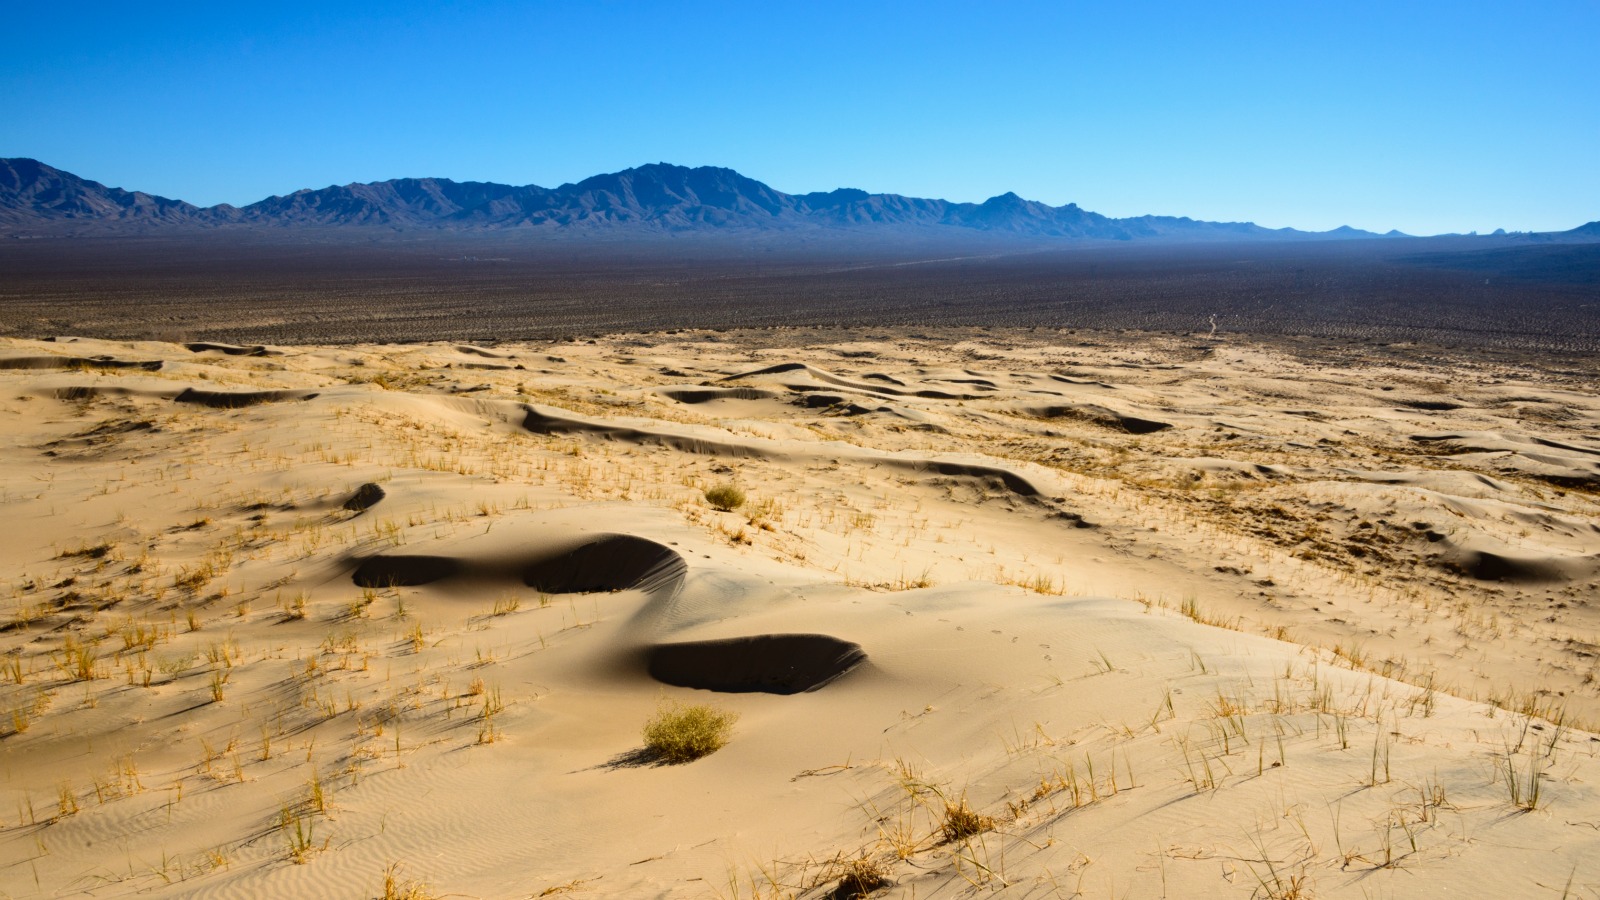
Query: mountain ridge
653	199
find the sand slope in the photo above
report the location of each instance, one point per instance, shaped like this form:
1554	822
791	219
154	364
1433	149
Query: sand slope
1170	619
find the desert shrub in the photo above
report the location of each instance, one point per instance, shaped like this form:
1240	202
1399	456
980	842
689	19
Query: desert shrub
681	732
962	821
724	497
859	878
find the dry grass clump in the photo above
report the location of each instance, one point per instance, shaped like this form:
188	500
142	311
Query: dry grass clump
683	732
724	497
859	878
962	821
396	889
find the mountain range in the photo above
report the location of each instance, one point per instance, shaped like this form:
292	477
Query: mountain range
657	199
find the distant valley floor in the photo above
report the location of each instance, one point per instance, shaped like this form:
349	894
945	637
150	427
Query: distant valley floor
345	286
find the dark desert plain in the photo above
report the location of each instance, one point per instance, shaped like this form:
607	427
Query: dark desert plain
1472	294
353	561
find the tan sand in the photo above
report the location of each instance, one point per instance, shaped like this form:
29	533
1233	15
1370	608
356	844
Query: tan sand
1172	620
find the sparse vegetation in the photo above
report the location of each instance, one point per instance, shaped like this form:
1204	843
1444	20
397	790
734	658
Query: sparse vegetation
1266	734
724	497
961	821
859	877
301	833
683	732
396	888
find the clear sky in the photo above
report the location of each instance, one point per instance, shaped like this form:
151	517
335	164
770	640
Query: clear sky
1423	116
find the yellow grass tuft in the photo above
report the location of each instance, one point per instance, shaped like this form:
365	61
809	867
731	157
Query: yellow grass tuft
395	889
680	732
859	878
724	497
962	821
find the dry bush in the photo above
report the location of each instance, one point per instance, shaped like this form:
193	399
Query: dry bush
859	878
681	732
724	497
962	821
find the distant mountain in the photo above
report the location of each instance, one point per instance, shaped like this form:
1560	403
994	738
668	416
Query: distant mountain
663	198
653	199
32	193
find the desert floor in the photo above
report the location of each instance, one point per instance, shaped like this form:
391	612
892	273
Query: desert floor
1162	617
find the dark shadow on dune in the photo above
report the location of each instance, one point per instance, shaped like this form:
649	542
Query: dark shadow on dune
76	362
1431	405
819	401
770	370
229	349
637	758
482	351
1005	478
366	497
541	423
765	663
610	562
1486	566
605	562
1563	445
239	399
405	571
90	392
830	378
1083	382
706	395
1098	415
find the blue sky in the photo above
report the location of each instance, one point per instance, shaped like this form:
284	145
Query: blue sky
1427	117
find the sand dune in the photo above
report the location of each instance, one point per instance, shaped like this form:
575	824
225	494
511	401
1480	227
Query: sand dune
1024	614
